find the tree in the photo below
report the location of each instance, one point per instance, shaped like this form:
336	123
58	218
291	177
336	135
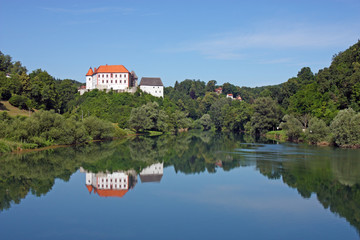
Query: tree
292	126
317	131
218	111
210	86
205	121
305	76
346	128
98	129
237	116
266	115
148	117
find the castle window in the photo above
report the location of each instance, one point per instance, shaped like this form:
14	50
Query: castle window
115	81
120	75
102	81
120	81
111	75
103	75
107	75
107	81
124	81
111	81
115	75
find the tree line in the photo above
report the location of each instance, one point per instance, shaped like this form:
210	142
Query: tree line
307	107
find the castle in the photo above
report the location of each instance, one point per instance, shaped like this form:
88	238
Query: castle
119	79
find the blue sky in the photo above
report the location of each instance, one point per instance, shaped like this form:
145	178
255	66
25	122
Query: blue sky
247	43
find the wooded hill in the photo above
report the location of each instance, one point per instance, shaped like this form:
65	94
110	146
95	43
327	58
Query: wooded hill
303	100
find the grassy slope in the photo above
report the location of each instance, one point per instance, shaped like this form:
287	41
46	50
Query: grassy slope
12	111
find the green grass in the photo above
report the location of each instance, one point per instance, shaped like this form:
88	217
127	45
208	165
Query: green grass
155	133
5	106
277	135
10	146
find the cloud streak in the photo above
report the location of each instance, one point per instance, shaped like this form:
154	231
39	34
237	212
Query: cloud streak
79	11
234	45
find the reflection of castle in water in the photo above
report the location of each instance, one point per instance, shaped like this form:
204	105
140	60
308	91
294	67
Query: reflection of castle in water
152	173
118	183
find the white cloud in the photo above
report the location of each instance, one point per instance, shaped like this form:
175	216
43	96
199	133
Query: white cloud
90	10
234	45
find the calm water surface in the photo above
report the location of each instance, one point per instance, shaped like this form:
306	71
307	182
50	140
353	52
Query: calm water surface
192	186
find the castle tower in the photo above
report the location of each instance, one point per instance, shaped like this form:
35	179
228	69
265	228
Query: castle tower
89	80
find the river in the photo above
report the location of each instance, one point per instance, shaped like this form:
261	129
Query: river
196	185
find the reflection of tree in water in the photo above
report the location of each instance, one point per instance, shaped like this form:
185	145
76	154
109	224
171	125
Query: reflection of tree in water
36	172
332	176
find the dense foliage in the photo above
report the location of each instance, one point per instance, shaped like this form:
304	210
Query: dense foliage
37	90
45	128
195	104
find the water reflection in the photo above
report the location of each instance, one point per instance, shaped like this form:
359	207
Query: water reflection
118	183
112	169
152	173
114	184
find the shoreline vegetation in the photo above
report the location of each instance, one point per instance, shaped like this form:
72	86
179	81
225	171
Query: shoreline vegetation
37	110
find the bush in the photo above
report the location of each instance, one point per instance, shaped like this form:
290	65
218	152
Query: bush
5	94
4	147
346	128
19	101
292	127
317	131
98	129
205	121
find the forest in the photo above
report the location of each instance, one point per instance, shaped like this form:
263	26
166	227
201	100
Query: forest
317	108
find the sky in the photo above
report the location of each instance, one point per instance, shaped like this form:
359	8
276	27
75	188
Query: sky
246	43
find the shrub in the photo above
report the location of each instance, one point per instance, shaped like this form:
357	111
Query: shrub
292	127
19	101
317	131
98	129
346	128
5	94
205	121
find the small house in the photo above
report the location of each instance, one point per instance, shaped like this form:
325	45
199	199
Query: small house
153	86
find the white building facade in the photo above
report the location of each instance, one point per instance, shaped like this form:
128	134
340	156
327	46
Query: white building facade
116	180
153	86
152	173
111	77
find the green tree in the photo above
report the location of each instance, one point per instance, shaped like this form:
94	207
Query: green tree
98	129
210	86
317	131
266	115
218	112
205	121
292	126
346	128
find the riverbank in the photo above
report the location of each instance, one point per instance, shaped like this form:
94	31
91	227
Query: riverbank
281	136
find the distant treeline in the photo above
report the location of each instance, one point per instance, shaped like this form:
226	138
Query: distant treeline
307	107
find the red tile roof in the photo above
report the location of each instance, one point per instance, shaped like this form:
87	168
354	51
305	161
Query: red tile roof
110	192
111	69
89	187
90	72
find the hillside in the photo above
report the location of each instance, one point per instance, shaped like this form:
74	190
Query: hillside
5	106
